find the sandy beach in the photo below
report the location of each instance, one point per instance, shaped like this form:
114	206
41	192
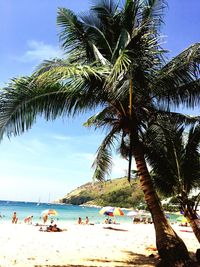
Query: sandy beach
83	245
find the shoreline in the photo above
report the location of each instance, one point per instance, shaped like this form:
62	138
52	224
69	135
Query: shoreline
99	207
88	245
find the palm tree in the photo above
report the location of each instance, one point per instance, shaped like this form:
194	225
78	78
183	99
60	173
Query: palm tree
175	160
115	65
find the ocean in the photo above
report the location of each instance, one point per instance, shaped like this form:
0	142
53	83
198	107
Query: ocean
66	213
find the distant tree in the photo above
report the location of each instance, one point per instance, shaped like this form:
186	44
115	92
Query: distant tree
175	158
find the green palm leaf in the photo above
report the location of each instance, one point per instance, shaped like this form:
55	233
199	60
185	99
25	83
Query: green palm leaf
130	15
103	161
174	157
178	81
153	10
23	101
104	118
191	164
72	35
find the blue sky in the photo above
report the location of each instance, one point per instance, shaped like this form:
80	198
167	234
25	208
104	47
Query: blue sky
55	157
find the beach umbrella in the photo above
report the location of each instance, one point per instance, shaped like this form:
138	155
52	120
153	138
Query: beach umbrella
108	209
132	213
107	213
111	211
49	212
118	212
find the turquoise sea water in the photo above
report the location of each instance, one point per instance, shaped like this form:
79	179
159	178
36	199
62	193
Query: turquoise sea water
66	213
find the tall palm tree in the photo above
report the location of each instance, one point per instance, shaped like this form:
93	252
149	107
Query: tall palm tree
175	160
115	65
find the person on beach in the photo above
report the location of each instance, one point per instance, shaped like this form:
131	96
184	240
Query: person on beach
110	221
79	220
51	228
55	228
45	218
28	219
87	220
106	221
14	217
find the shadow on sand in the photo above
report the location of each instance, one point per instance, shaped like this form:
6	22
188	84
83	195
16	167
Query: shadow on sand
133	260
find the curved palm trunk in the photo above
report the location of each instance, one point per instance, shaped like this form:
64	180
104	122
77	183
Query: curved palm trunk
171	248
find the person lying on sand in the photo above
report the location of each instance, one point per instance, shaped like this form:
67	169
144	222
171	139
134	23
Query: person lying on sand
52	228
183	224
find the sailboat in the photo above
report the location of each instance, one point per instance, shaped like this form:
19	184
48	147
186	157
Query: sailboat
38	204
49	203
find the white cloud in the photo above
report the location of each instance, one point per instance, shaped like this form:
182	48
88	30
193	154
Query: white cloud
38	51
61	137
44	157
120	167
85	156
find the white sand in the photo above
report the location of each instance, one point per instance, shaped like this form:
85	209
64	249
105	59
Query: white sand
82	245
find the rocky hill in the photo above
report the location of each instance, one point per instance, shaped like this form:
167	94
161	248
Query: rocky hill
117	192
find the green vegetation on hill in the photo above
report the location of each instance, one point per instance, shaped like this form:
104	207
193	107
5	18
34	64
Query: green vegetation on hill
117	192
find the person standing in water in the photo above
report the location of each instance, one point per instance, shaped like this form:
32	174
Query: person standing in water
87	220
45	218
14	217
79	220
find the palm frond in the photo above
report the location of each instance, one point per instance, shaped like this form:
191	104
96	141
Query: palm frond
120	68
105	9
48	65
191	163
160	155
145	53
72	36
26	98
176	117
178	81
153	12
64	73
97	34
124	147
122	42
103	161
130	15
103	25
104	118
86	83
174	156
99	57
23	100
